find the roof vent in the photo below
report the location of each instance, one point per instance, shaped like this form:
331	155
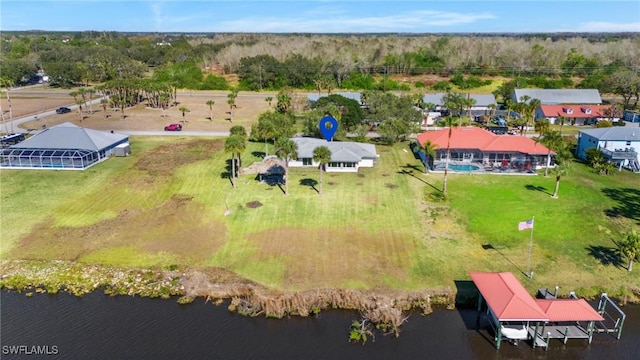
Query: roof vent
586	110
568	110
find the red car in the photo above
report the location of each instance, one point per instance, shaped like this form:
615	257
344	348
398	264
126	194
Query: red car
173	127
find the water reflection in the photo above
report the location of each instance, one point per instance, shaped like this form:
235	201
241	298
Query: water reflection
102	327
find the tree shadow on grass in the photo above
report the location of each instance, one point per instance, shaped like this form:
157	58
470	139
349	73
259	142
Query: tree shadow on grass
310	183
606	255
628	200
491	247
537	188
405	171
258	154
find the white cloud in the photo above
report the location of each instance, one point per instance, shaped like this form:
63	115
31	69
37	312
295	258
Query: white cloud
417	21
598	26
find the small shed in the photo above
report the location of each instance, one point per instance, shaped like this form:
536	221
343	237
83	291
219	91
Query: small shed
122	150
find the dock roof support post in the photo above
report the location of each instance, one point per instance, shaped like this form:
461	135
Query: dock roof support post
547	346
590	330
535	334
566	335
620	325
479	311
499	335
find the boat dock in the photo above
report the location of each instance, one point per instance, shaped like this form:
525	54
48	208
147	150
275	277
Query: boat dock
515	315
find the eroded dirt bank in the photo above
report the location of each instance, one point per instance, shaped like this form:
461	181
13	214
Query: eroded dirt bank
215	284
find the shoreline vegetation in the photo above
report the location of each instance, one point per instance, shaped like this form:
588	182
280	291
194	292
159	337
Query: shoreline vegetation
165	222
217	285
387	309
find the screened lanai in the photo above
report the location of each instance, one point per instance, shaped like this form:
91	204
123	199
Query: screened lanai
49	158
62	147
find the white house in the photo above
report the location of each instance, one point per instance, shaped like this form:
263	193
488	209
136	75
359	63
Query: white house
345	156
618	144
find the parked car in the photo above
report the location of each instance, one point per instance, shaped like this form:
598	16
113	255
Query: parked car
62	110
173	127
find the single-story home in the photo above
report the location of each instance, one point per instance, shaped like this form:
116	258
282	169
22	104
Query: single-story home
621	145
482	100
482	106
63	147
583	114
559	96
345	156
477	146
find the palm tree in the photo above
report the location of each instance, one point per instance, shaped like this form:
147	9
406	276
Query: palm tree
210	103
318	82
552	140
429	149
492	110
563	161
630	247
286	150
242	132
561	120
233	145
79	103
164	103
104	103
321	155
455	102
91	92
542	126
231	100
508	104
7	83
265	128
533	106
269	99
446	161
183	110
284	102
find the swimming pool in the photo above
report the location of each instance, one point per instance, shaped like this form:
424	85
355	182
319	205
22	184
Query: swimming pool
458	167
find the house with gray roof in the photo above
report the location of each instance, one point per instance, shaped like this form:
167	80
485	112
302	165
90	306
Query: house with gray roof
621	145
559	96
482	101
63	147
345	156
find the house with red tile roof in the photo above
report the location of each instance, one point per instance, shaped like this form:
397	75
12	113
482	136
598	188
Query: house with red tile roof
575	114
476	146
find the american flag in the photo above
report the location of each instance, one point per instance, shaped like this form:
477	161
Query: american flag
523	225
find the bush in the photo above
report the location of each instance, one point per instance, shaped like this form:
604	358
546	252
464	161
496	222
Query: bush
441	86
419	84
214	82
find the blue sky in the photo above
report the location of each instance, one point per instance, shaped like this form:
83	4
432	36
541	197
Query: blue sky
326	16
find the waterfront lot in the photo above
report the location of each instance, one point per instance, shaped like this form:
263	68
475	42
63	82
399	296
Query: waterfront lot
165	205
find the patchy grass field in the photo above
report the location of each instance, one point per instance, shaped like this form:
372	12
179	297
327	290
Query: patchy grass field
142	118
166	204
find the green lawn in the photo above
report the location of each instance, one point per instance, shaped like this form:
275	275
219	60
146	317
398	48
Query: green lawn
171	202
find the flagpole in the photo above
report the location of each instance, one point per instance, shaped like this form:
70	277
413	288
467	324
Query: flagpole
529	271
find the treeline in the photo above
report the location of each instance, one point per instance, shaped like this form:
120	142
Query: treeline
358	62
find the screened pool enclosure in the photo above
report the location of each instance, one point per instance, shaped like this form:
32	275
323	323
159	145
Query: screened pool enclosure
48	158
64	147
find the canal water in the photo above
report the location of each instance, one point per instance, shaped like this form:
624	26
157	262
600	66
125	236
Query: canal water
97	326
